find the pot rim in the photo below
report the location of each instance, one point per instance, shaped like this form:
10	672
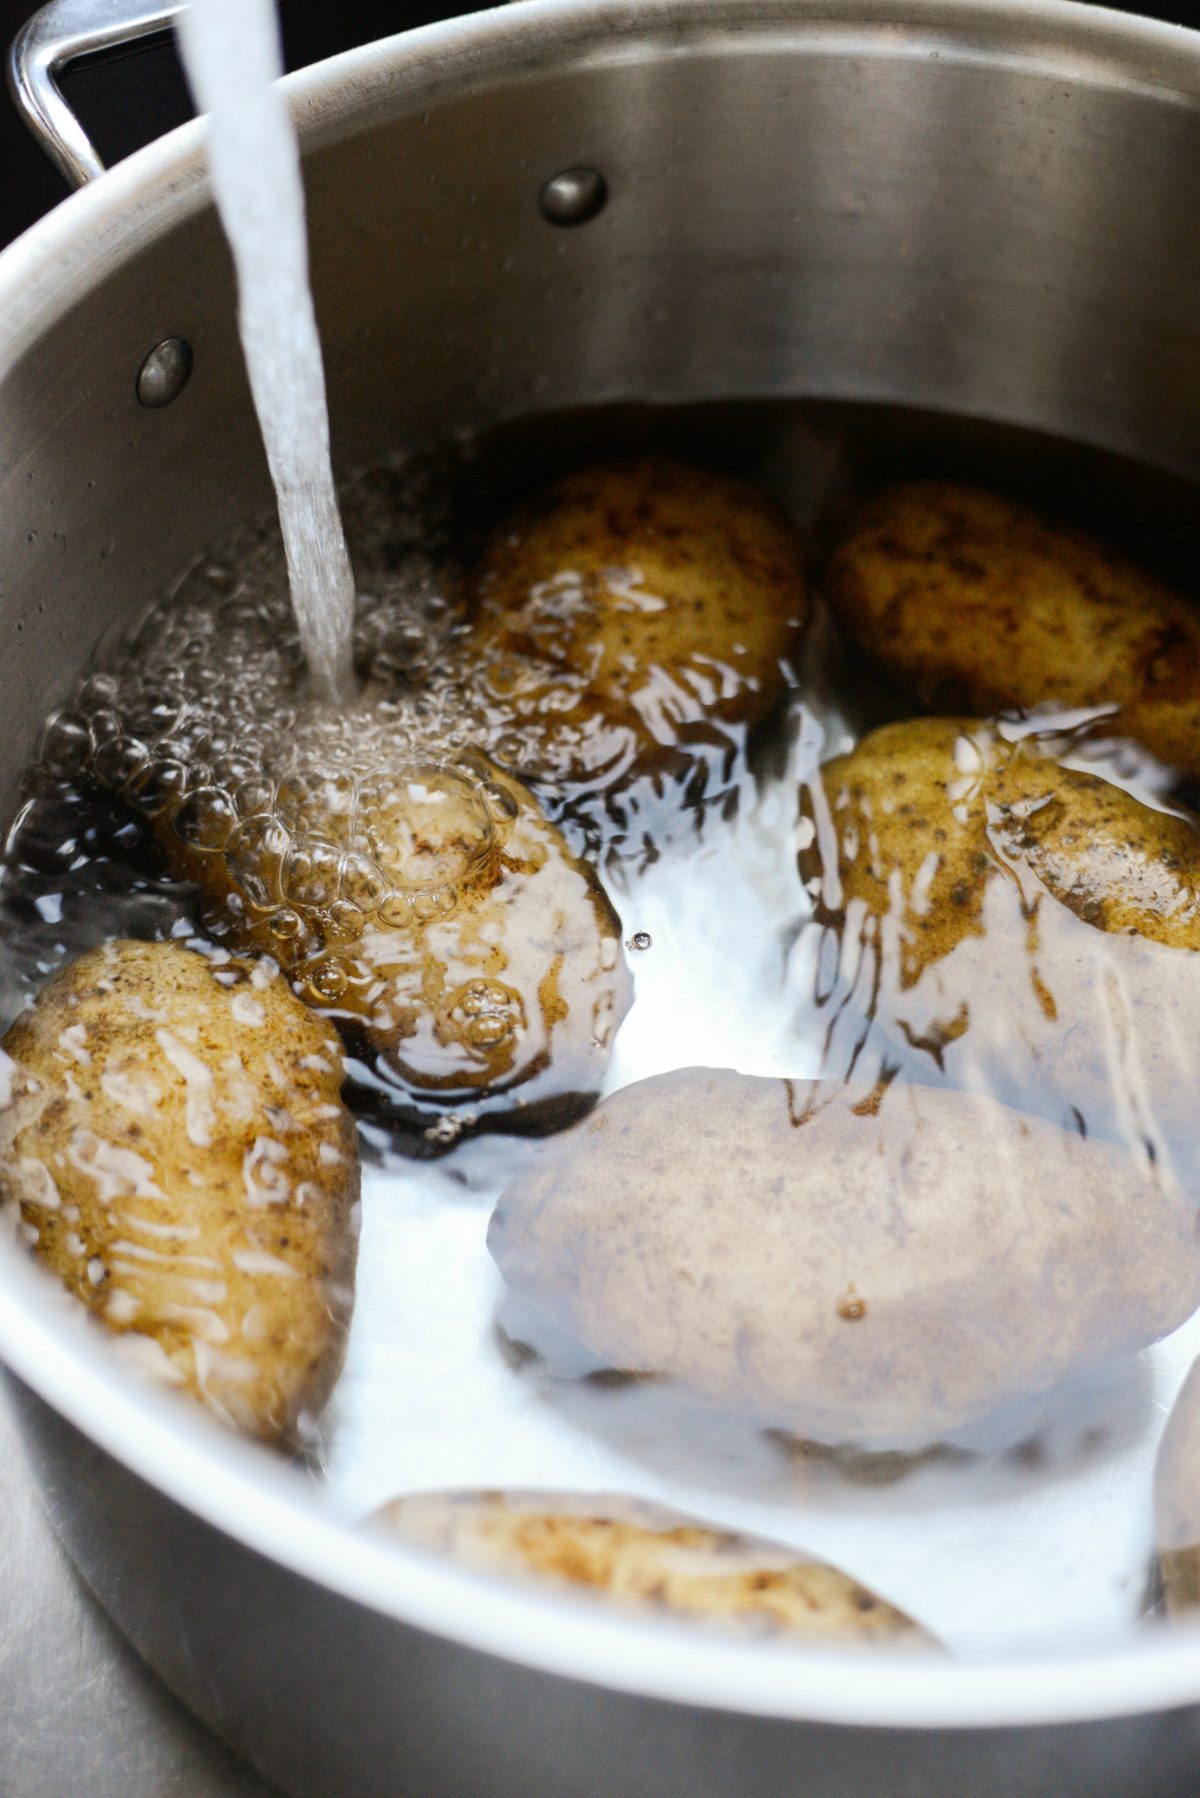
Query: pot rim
243	1491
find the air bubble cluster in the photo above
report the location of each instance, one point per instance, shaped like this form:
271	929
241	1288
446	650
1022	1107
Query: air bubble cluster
325	821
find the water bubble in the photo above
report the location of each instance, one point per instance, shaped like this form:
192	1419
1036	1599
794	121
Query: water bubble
434	903
98	691
158	786
510	749
296	799
345	921
255	854
119	761
447	1129
285	924
66	744
232	770
361	884
248	618
103	725
430	829
206	820
153	718
396	910
505	676
254	796
641	939
327	981
485	1014
219	576
310	874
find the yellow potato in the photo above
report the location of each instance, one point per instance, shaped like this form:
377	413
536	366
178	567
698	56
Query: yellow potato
176	1144
974	603
1177	1500
840	1262
646	1557
470	959
631	619
894	830
1015	925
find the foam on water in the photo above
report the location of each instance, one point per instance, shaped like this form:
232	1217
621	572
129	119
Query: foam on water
230	49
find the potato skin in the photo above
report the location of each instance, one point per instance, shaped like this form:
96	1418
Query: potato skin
900	815
625	610
932	808
647	1557
1028	926
975	603
177	1148
1177	1500
491	977
847	1265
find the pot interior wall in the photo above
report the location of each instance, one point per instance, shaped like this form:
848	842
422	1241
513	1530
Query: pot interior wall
884	214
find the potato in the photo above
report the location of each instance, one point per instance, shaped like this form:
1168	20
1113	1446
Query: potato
646	1557
1015	924
431	909
898	835
841	1262
1177	1500
974	603
630	618
180	1157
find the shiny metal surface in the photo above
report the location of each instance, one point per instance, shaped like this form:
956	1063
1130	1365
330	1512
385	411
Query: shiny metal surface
336	1701
55	36
73	1694
978	208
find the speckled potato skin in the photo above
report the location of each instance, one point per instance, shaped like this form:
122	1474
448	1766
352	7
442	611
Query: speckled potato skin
630	606
177	1148
1031	929
505	1006
1177	1501
893	828
974	603
848	1266
647	1557
926	812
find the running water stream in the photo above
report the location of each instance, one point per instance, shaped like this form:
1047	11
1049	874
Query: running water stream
230	49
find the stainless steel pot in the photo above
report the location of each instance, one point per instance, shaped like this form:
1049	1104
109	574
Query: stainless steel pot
972	206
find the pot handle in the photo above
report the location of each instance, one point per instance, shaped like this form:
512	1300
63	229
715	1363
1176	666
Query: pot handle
56	35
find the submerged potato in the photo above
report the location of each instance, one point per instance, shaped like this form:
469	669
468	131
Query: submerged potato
1177	1500
975	603
628	610
647	1557
922	814
1011	922
175	1142
470	958
845	1264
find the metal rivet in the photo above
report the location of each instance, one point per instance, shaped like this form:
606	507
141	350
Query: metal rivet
165	372
573	197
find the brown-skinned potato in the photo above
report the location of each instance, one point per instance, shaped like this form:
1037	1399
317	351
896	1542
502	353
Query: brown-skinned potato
1026	926
630	614
179	1155
647	1557
957	791
974	603
470	958
1177	1501
846	1264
